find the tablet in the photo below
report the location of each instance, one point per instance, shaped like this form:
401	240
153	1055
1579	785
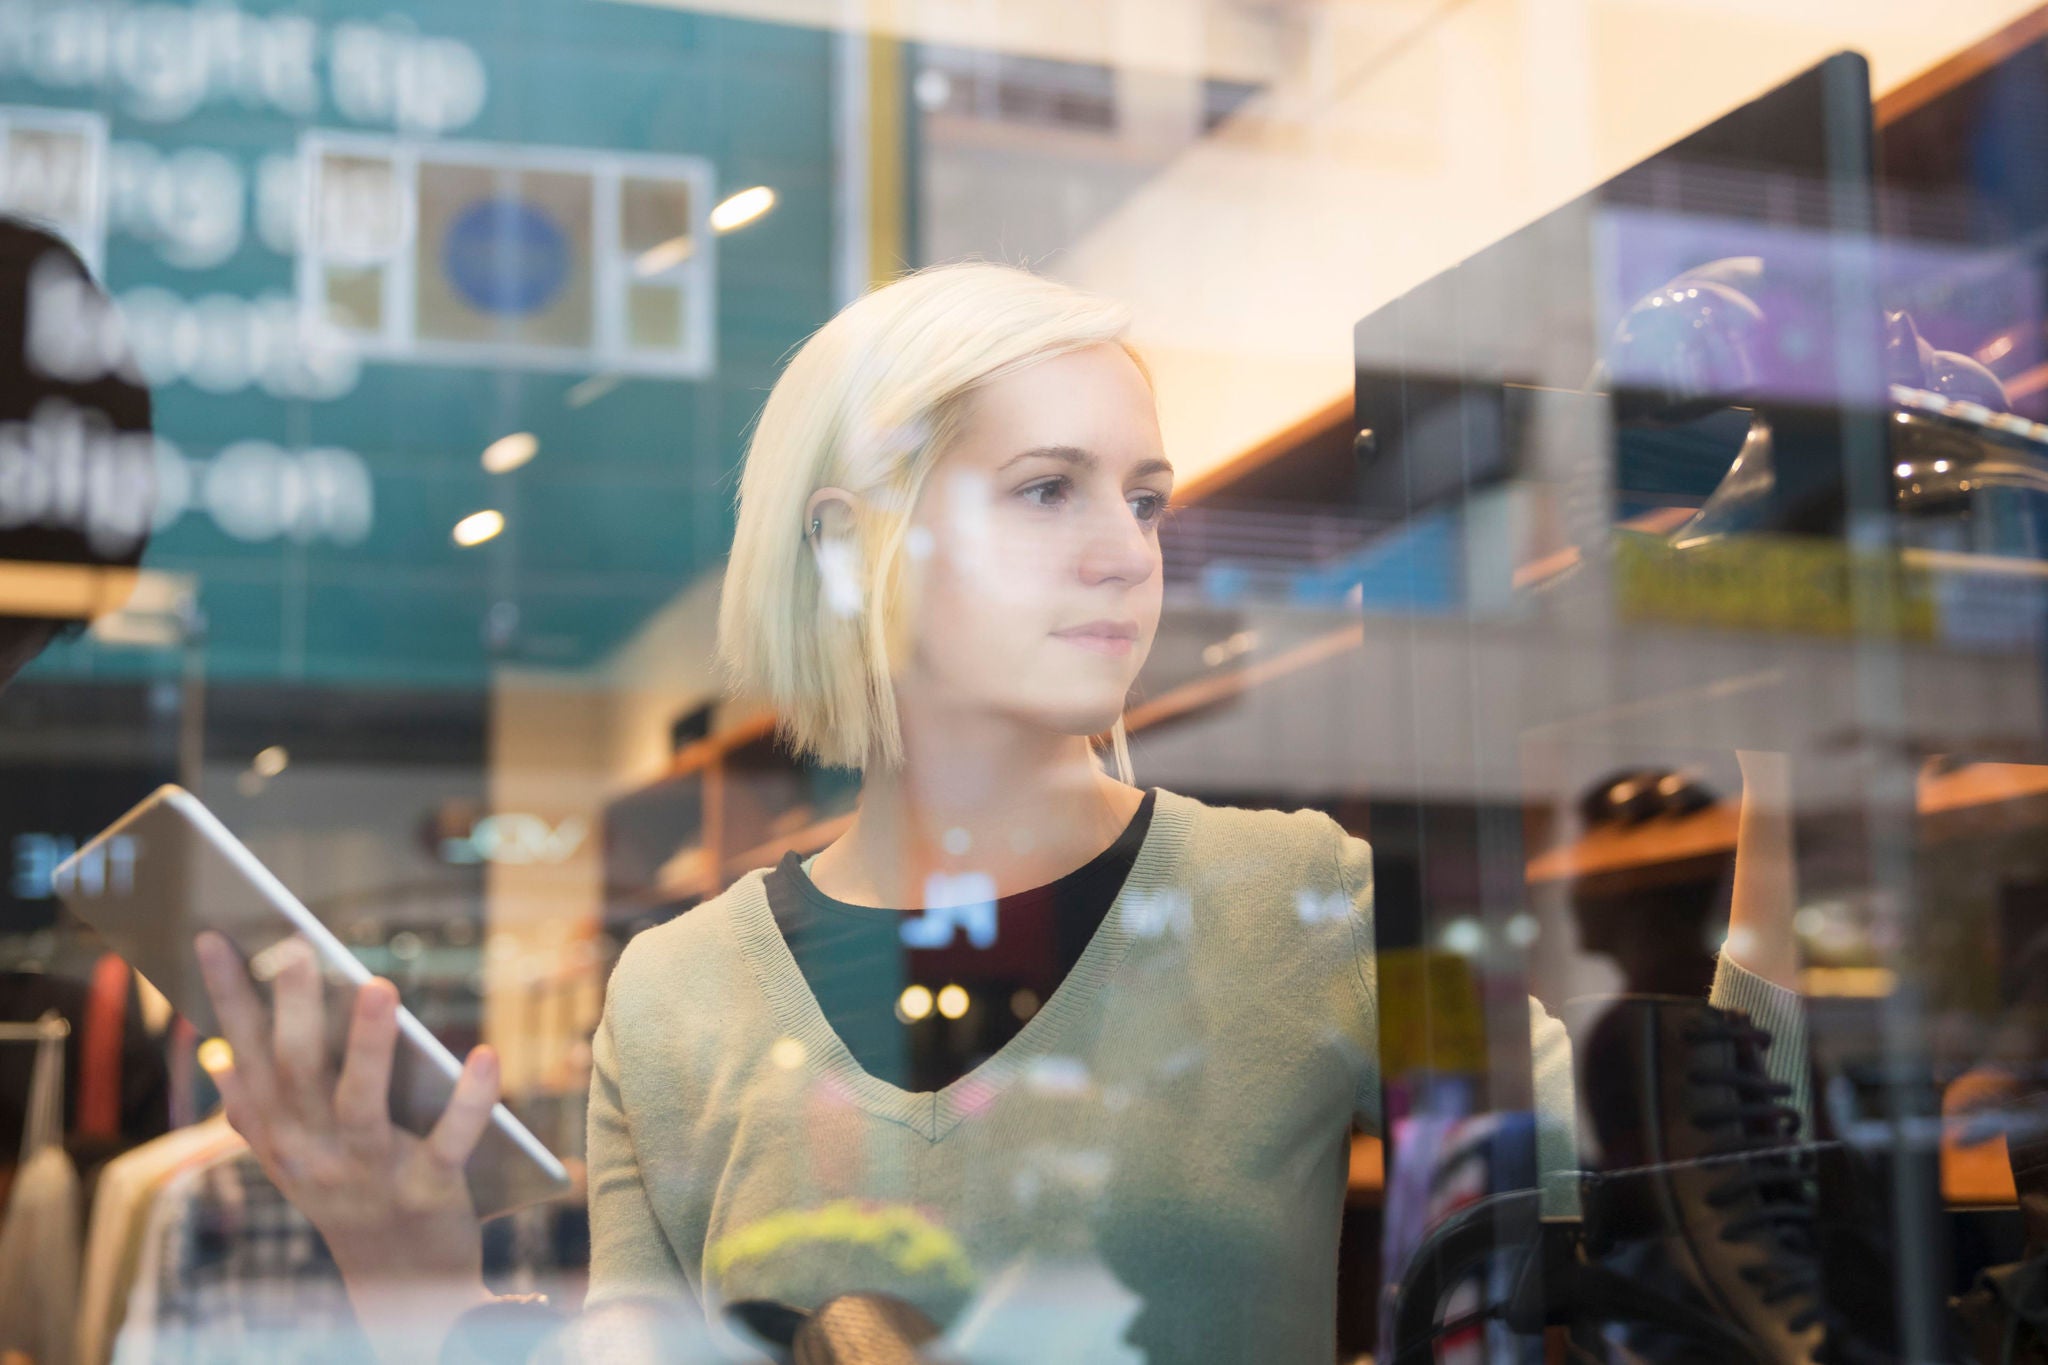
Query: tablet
168	869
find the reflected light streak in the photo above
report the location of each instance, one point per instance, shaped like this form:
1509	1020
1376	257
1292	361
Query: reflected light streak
582	395
663	257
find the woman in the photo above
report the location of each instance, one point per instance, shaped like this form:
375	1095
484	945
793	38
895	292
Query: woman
946	572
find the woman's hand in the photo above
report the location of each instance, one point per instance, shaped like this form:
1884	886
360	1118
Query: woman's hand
393	1207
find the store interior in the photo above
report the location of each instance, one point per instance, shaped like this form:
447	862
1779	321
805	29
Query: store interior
428	615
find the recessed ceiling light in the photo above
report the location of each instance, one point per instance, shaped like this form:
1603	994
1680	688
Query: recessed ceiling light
742	208
478	527
507	453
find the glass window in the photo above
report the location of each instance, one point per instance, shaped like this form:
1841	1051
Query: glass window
707	679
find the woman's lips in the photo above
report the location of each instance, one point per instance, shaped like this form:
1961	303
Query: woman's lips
1100	643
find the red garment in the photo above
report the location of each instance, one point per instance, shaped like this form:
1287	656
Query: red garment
99	1060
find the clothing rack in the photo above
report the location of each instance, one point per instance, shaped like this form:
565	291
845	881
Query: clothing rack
51	1025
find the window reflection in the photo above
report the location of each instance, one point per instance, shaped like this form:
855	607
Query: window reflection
812	712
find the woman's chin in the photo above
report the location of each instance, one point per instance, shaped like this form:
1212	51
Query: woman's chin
1082	720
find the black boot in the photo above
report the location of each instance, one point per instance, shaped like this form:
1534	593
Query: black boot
1694	1189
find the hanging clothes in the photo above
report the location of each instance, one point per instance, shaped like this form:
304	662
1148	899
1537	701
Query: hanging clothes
39	1230
100	1046
110	1046
232	1272
120	1218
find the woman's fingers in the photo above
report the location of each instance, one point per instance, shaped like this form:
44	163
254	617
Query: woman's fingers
243	1114
300	1032
362	1097
462	1123
242	1020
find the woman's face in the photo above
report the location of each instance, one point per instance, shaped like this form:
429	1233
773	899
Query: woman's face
1035	584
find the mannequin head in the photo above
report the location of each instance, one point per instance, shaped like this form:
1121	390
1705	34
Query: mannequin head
1658	922
950	505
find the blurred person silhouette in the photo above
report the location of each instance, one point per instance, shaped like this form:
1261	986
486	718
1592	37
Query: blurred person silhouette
946	574
1659	923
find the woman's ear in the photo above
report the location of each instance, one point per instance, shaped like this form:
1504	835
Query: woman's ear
828	528
828	516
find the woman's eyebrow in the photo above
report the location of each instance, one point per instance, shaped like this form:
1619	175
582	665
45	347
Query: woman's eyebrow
1072	455
1082	459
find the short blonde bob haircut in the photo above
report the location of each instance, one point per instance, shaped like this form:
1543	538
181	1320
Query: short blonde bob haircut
868	404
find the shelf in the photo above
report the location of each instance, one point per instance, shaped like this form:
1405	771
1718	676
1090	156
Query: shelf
1368	1176
1980	1173
805	841
696	757
1708	832
1976	1176
1975	787
653	898
1220	687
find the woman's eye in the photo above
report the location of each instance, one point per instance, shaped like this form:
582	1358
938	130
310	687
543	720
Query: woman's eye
1148	507
1046	492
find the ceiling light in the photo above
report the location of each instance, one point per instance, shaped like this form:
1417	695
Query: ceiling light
742	208
952	1001
582	395
507	453
271	761
478	527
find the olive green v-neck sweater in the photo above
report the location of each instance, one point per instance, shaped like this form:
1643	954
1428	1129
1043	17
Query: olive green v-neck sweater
1177	1114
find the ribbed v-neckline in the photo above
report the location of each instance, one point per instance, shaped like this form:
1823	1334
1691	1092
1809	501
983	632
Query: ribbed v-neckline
935	1113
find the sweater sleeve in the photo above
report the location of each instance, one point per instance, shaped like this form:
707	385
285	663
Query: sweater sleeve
1779	1012
630	1256
1354	878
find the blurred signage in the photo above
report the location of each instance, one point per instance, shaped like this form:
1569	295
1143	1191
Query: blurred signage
37	856
256	491
516	837
481	254
1799	585
163	63
1430	1015
506	257
60	470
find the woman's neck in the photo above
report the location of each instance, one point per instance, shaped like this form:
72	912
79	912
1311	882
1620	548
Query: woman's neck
980	796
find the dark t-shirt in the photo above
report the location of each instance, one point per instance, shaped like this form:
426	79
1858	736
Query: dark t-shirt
1008	956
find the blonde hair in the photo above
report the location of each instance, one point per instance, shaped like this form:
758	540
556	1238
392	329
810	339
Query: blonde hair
868	404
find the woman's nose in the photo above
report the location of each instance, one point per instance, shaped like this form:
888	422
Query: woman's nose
1117	549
